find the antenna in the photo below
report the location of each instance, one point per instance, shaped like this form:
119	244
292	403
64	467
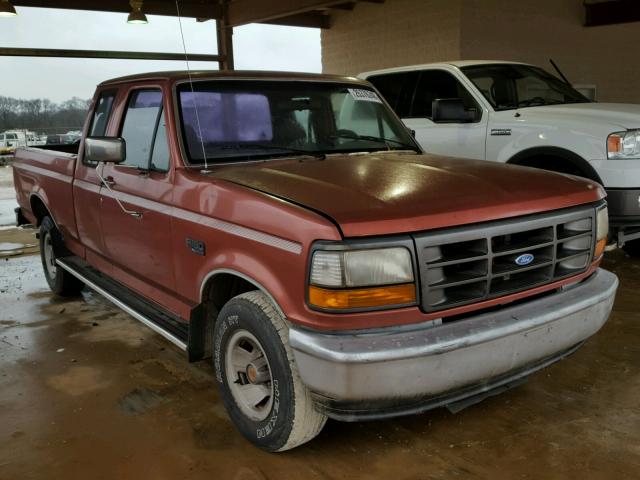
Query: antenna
195	104
560	72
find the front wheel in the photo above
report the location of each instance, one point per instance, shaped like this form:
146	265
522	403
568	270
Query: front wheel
258	378
60	281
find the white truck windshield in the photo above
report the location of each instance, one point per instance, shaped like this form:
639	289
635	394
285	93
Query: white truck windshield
511	86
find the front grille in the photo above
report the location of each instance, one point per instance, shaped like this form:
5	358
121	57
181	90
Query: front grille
464	265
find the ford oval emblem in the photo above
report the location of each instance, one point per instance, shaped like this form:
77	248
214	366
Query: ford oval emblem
524	259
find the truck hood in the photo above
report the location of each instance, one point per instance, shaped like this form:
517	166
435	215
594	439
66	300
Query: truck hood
388	193
621	115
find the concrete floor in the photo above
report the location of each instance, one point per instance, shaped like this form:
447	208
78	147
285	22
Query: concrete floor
88	392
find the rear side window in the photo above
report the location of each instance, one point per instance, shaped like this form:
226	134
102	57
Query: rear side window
397	89
144	131
99	121
101	114
438	84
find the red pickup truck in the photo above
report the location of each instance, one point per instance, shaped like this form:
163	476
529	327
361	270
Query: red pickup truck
289	227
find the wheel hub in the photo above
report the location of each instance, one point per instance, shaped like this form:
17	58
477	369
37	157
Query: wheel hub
49	257
249	375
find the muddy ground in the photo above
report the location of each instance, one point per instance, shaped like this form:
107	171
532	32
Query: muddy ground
86	392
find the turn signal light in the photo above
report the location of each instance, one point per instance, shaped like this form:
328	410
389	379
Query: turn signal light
614	143
599	248
362	297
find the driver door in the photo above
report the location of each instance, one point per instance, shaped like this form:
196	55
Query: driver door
136	207
412	93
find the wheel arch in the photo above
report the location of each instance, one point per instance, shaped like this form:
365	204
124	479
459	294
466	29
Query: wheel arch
535	157
223	276
39	209
217	288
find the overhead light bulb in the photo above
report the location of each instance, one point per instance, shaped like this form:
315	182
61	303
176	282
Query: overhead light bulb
137	16
7	9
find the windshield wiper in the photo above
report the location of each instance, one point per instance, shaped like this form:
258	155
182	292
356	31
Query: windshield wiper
371	138
268	146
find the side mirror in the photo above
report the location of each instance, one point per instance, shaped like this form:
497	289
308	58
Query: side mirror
104	149
450	110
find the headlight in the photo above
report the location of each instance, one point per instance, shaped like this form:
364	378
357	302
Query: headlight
602	231
623	145
360	279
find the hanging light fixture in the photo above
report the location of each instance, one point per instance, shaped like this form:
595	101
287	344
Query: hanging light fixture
6	9
136	16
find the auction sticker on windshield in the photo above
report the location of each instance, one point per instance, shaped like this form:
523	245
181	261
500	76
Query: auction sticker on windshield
364	95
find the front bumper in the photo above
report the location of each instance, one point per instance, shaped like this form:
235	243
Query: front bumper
407	370
624	205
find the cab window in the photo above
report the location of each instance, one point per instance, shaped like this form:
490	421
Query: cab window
397	89
144	131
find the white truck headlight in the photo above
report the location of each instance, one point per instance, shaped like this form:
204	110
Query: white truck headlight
357	279
623	145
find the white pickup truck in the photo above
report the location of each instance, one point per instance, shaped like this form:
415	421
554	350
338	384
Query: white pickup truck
520	114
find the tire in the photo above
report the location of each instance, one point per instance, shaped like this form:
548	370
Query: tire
632	248
60	281
285	417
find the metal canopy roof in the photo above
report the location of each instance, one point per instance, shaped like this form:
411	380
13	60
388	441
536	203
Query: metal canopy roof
300	13
226	13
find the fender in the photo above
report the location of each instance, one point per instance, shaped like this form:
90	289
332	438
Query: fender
523	158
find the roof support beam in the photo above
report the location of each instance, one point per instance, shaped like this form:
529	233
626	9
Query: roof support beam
311	19
188	8
242	12
611	12
224	34
50	52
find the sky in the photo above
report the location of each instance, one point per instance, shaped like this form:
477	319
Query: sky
256	47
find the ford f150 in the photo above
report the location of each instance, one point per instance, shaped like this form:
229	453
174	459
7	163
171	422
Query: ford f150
289	227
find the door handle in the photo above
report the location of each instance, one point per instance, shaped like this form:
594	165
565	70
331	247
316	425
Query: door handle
108	183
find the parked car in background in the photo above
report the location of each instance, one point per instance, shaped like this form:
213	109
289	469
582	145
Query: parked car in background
289	227
62	139
12	139
519	114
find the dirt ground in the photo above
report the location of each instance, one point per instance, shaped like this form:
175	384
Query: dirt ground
88	392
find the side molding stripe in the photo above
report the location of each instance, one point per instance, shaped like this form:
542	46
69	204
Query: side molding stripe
222	225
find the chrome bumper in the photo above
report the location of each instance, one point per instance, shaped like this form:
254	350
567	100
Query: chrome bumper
365	372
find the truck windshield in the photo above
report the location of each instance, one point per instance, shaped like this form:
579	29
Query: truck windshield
511	86
236	120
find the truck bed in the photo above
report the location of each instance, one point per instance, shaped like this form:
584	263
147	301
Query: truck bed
42	173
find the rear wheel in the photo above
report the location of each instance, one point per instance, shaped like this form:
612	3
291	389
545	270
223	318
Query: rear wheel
60	281
258	378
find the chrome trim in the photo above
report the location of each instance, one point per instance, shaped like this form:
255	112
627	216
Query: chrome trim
104	149
218	271
405	365
138	316
392	345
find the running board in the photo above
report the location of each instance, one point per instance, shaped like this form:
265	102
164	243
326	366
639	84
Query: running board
171	328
